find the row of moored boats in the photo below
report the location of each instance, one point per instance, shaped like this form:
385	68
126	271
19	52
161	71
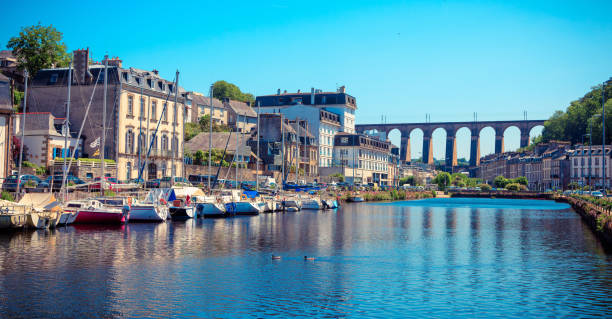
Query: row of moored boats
44	211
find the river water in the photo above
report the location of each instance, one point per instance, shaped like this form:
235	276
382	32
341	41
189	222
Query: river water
428	258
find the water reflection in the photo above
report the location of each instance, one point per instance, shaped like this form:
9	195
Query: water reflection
430	258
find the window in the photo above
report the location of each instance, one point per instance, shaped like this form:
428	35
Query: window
128	173
175	146
150	83
153	141
142	143
165	112
164	142
163	169
153	114
126	76
160	84
129	142
130	106
142	107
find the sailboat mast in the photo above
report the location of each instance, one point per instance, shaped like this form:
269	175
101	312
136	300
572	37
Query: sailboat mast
282	150
66	131
103	124
257	159
210	136
174	124
236	150
23	118
297	148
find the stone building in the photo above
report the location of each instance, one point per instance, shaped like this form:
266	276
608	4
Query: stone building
143	122
199	105
586	166
362	159
44	138
326	112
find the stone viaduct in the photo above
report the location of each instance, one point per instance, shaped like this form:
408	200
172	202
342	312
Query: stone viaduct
499	127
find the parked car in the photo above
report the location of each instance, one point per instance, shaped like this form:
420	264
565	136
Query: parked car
111	181
152	183
167	182
26	181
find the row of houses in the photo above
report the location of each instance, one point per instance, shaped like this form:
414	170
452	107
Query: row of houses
309	134
552	166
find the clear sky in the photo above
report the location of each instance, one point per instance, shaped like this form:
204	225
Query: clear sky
400	59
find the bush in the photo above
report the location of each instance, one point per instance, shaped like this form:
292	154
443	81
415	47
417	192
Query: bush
484	187
7	196
513	187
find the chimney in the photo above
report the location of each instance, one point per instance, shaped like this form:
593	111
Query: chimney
155	72
285	92
113	61
299	91
312	96
278	92
342	89
81	65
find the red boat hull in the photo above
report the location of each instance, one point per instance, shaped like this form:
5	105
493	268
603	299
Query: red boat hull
97	217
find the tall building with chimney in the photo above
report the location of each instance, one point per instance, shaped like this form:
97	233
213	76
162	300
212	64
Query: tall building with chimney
143	123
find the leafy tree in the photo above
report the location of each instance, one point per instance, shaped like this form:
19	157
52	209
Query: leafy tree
38	47
574	122
224	89
411	180
522	180
443	179
513	186
500	182
198	157
338	176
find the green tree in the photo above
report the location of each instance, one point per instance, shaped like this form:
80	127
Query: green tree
224	89
38	47
522	180
443	179
500	182
198	157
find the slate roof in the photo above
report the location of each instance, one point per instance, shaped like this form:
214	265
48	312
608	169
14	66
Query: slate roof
241	108
219	140
205	100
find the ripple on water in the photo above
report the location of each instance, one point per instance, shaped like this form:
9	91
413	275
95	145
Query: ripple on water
432	258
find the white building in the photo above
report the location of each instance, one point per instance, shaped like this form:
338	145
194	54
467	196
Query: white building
327	114
579	166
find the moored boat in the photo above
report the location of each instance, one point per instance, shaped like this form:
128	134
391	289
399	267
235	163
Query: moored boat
93	212
181	210
311	204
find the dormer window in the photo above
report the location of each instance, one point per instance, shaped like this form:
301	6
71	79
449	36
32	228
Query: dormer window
126	76
171	87
160	84
138	80
150	83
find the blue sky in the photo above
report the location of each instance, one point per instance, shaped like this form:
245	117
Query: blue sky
400	59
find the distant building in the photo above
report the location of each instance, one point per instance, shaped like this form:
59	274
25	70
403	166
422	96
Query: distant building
326	112
199	105
44	138
272	128
136	101
362	159
586	166
241	116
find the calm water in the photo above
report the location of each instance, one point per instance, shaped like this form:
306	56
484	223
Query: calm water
436	258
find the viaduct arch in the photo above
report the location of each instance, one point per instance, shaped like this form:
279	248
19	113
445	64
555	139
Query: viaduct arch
451	129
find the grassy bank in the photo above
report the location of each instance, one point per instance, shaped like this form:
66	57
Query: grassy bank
391	195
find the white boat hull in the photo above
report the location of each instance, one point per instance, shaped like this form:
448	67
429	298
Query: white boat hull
311	204
247	208
37	221
211	210
151	213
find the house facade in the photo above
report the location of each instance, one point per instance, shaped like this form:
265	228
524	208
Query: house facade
144	125
327	113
